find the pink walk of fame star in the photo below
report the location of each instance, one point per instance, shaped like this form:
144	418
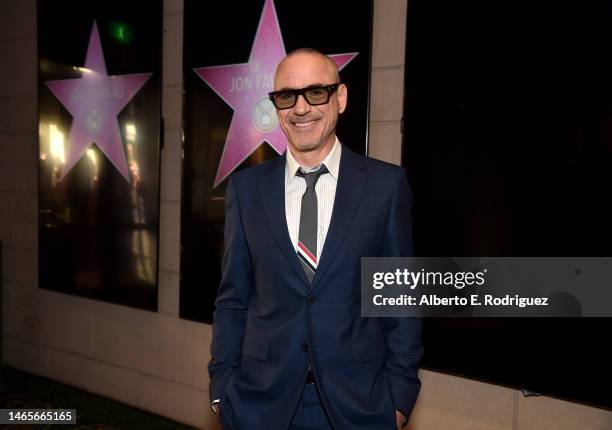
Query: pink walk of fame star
245	87
94	101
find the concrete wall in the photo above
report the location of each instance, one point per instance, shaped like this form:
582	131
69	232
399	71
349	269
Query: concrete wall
156	361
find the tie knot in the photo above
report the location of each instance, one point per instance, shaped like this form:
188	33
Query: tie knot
312	177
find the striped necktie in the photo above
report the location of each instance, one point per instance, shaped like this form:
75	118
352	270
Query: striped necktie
307	238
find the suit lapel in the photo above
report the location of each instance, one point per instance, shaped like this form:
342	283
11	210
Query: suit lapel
272	190
349	191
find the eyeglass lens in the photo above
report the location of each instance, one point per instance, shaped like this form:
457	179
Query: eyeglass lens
314	96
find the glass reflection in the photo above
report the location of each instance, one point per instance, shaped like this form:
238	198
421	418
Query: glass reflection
99	223
56	140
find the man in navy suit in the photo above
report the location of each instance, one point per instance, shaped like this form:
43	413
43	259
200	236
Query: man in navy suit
290	349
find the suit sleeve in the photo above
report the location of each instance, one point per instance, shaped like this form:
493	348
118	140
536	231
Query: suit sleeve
403	335
233	298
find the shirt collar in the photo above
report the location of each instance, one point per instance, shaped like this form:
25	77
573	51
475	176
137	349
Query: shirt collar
332	162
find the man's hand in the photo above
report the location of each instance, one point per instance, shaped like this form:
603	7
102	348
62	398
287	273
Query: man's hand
400	419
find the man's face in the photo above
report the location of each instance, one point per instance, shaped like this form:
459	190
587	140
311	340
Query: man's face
309	127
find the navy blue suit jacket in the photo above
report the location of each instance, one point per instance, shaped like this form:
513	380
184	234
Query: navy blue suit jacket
269	322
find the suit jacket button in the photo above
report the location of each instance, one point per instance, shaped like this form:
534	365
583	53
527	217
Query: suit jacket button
305	347
311	300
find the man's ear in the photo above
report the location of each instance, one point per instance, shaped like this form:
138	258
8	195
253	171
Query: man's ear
342	97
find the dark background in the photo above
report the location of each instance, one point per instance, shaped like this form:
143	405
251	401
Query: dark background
89	241
232	27
507	144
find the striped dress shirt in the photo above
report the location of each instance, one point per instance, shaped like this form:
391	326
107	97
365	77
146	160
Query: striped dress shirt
295	187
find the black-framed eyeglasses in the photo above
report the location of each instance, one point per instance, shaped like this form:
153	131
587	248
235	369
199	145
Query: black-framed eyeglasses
316	95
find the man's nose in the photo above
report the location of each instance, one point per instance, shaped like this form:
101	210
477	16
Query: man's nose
301	106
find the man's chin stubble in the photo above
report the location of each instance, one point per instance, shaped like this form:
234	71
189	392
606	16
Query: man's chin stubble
307	148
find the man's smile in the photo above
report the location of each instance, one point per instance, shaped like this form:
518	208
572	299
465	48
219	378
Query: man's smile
304	125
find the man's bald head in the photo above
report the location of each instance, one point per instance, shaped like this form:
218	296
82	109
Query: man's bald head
310	129
329	64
